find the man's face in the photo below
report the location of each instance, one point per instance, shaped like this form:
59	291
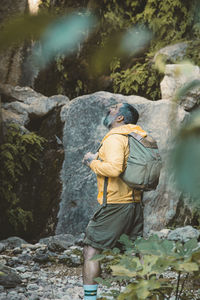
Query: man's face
111	115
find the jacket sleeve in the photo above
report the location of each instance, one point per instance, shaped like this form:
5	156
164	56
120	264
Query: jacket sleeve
114	157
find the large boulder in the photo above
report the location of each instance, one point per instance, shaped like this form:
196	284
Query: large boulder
83	132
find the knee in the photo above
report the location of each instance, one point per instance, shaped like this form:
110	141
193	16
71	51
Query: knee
89	252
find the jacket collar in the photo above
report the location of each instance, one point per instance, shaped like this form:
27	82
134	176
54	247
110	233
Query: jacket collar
126	129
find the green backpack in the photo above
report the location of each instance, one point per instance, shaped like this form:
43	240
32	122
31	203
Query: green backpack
144	163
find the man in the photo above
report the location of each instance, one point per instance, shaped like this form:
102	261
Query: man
122	212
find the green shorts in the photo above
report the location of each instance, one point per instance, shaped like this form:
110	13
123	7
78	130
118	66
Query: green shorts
110	222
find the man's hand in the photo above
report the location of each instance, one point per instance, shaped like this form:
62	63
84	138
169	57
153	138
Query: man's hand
89	157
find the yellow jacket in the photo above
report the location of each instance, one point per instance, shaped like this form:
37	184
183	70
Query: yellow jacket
113	156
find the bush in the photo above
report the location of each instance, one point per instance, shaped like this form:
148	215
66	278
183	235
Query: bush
145	267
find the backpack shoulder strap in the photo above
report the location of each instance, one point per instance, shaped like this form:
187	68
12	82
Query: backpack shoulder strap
147	141
105	191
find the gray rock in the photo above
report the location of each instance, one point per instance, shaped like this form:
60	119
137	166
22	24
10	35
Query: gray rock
28	103
14	261
184	234
34	297
59	242
17	250
83	134
21	296
21	269
2	247
32	287
12	93
162	234
173	52
35	268
3	296
1	289
13	295
13	242
79	239
41	257
8	277
24	258
27	275
178	76
70	260
31	246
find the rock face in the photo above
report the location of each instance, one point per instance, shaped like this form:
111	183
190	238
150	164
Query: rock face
174	52
13	69
82	133
24	104
178	76
41	188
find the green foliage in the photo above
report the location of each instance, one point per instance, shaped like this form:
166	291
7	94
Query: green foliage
22	27
168	22
192	52
145	266
17	154
18	216
142	79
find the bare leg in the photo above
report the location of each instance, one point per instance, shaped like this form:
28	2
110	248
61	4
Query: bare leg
91	268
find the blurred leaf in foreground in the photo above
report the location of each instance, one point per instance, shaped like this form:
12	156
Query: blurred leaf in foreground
188	86
16	30
185	68
102	57
135	39
185	158
160	63
120	44
63	37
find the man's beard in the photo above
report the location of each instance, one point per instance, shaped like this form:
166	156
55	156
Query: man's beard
108	120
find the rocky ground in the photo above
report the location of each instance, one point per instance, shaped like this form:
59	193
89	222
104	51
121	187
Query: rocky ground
51	268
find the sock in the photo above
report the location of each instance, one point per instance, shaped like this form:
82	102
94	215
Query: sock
90	291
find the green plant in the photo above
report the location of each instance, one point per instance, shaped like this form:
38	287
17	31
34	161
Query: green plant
146	264
17	154
169	22
142	79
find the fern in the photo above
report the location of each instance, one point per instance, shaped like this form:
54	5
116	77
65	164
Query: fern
17	155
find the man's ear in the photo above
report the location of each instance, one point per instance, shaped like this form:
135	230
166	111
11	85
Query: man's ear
120	118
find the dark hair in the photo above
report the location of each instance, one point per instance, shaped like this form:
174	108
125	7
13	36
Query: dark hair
129	113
